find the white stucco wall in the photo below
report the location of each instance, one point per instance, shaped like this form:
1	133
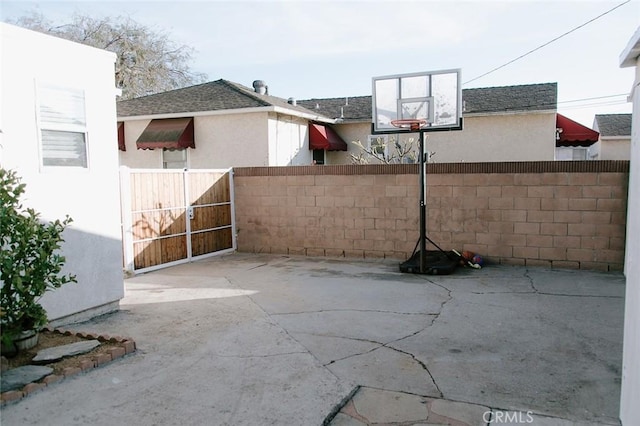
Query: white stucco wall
630	395
222	141
288	141
93	246
614	149
505	137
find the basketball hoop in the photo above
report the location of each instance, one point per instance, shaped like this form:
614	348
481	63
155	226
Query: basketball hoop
409	123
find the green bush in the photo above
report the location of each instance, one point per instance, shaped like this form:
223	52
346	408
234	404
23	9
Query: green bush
30	264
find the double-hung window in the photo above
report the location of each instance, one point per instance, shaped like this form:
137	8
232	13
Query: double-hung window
63	127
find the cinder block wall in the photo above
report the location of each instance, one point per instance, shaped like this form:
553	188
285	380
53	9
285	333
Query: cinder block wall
557	214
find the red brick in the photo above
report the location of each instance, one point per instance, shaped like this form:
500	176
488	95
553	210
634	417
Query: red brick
52	378
120	351
102	359
87	364
13	395
33	387
103	338
70	371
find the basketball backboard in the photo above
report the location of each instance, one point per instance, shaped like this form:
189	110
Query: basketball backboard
433	96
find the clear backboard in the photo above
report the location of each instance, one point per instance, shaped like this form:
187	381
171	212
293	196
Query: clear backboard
434	97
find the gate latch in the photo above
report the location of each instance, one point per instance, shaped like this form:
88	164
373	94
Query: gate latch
190	212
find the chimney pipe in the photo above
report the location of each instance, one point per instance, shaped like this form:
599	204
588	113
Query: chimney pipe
260	87
292	101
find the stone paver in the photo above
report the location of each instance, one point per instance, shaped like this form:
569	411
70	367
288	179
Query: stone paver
17	378
58	352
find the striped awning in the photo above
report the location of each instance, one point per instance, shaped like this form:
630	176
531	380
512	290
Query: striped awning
169	133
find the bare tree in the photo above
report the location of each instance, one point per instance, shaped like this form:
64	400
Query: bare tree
388	150
147	60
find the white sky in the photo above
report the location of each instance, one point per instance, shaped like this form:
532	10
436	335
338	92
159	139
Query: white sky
319	49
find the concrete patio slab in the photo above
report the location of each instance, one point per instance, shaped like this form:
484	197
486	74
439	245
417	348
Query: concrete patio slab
251	339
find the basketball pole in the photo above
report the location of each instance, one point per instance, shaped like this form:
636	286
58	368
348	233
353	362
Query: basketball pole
423	207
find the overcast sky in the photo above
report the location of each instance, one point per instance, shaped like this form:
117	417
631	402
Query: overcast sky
318	49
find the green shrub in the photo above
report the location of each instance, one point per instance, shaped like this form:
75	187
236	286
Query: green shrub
30	264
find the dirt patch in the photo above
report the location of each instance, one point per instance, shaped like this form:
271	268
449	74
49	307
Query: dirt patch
49	339
110	349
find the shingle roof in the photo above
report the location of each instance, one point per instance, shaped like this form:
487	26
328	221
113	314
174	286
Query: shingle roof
212	96
614	124
222	95
528	97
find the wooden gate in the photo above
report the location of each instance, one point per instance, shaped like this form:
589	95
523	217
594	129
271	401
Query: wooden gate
175	216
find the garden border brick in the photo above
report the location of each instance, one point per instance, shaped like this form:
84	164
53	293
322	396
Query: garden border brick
86	363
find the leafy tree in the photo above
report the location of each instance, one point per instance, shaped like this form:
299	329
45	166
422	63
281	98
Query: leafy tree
147	61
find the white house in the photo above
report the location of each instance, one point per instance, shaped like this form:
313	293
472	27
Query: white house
615	137
510	123
222	124
218	125
630	395
57	127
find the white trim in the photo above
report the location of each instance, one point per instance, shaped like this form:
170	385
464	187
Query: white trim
276	109
232	198
126	221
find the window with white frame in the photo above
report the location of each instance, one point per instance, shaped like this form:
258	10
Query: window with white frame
378	144
174	158
571	154
63	127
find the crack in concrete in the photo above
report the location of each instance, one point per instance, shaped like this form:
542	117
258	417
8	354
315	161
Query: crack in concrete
261	356
530	278
356	310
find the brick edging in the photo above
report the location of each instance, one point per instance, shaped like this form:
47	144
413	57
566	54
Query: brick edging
126	346
601	166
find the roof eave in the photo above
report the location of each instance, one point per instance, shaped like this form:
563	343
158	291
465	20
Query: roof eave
265	109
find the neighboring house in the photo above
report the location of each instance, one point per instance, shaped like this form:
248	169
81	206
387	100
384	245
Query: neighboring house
57	127
573	140
615	137
512	123
630	390
221	124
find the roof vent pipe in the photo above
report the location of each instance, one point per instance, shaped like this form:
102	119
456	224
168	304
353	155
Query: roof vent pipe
260	87
292	101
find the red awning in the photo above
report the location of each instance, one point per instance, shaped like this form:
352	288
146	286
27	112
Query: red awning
570	133
324	137
170	133
121	145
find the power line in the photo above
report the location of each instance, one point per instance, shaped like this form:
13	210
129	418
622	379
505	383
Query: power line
547	43
590	99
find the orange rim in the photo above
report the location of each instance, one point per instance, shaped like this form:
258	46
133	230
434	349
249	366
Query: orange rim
413	124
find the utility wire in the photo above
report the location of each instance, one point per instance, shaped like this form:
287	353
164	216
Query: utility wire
548	43
597	97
